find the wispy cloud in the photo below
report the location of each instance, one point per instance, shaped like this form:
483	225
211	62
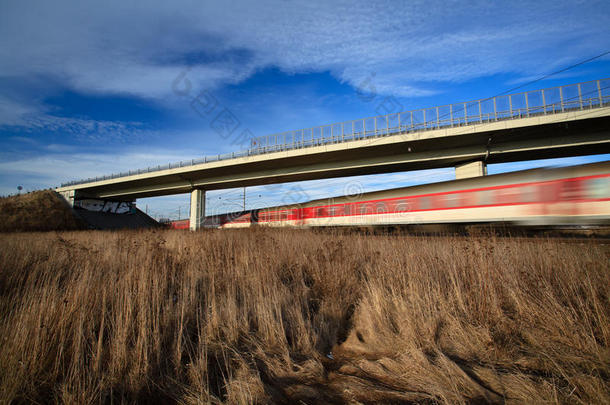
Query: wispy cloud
139	49
34	117
411	49
50	170
13	112
87	130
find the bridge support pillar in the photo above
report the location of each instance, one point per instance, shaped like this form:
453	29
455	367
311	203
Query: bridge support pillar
197	209
69	196
472	169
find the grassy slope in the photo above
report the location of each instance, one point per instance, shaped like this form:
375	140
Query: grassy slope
243	317
36	211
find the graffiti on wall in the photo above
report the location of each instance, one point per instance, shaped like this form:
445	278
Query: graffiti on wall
115	207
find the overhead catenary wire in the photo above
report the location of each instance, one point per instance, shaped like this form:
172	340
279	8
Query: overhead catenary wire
601	55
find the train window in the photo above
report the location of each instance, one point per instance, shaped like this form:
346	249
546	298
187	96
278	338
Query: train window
362	208
347	209
452	200
485	197
425	203
507	195
381	207
598	188
570	190
465	199
548	192
401	205
527	194
320	212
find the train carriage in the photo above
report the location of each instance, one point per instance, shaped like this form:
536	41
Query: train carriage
556	196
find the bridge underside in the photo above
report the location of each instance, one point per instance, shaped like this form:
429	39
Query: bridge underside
561	136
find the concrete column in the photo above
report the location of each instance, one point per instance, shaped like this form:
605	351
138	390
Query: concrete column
472	169
197	209
69	196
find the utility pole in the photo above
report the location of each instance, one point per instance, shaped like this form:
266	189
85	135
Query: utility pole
178	212
244	198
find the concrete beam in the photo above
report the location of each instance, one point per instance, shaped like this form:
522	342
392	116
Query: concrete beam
472	169
197	209
318	170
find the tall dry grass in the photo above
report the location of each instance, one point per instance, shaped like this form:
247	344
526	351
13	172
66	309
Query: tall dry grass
285	316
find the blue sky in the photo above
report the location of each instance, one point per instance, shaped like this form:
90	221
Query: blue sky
92	88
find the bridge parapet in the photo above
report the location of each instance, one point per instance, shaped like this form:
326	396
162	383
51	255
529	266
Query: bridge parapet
571	97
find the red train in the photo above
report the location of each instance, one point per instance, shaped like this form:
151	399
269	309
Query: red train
558	196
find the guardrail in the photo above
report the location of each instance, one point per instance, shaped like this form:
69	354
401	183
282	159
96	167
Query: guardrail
571	97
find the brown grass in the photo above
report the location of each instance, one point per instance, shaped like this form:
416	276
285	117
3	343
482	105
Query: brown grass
37	211
285	316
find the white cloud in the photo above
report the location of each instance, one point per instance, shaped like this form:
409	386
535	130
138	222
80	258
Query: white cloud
31	117
13	112
140	48
51	170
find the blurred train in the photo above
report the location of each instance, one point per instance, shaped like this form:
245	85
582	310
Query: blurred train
575	195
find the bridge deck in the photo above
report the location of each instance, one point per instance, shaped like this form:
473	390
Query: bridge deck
562	126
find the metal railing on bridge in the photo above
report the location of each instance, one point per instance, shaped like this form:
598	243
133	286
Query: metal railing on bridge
571	97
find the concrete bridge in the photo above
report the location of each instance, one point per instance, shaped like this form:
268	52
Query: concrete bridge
563	121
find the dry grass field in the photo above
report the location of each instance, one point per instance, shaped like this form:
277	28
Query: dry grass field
299	316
